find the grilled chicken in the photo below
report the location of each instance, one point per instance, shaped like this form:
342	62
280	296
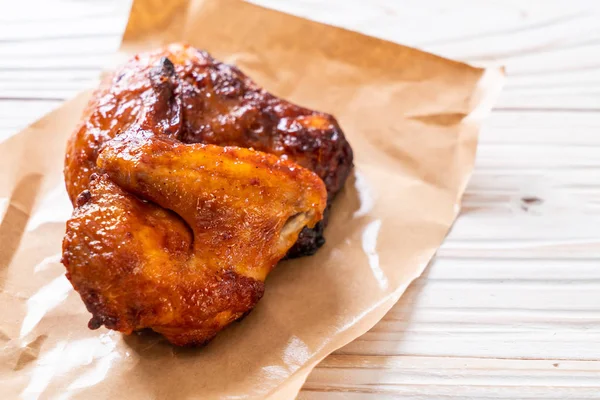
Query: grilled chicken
190	183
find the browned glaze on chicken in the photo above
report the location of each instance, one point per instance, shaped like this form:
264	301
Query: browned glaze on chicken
213	103
193	258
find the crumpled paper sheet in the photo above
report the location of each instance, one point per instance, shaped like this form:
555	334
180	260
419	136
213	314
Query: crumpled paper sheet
412	119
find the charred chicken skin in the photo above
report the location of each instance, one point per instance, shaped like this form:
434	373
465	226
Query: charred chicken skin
212	103
190	183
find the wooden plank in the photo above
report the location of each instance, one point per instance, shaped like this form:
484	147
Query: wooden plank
411	377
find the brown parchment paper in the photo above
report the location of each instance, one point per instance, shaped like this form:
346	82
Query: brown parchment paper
412	119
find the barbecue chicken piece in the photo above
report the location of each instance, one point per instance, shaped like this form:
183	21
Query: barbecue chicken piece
213	103
194	256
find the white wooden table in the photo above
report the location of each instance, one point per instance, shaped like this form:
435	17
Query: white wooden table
510	308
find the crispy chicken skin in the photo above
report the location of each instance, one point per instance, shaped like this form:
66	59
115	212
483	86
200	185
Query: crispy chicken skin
194	257
213	103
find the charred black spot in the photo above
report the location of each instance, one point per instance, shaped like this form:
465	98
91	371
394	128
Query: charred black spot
83	198
166	66
309	241
95	323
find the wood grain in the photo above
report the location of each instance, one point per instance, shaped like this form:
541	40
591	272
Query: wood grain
510	308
